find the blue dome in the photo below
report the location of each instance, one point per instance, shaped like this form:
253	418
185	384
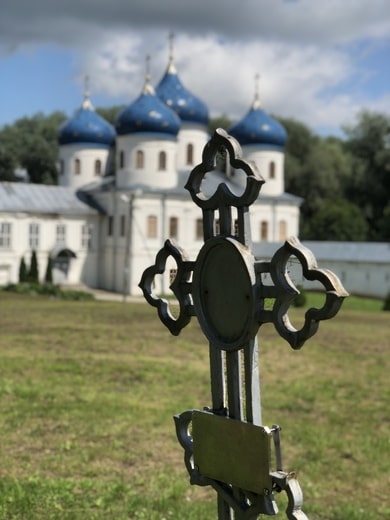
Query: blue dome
188	107
258	128
86	126
147	114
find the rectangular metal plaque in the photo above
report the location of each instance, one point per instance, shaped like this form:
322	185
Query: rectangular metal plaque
233	452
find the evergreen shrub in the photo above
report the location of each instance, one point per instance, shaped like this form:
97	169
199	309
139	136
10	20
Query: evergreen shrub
386	303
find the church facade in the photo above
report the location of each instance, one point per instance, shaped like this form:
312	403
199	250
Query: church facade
121	190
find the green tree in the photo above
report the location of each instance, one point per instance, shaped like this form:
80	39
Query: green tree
7	165
23	274
336	220
31	142
33	273
49	270
369	187
384	224
222	121
110	113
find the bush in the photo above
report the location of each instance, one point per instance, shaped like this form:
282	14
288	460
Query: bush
54	291
301	298
386	303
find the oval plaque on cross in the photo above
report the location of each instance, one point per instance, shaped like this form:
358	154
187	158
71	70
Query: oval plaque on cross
224	292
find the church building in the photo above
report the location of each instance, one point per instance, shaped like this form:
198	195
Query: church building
121	190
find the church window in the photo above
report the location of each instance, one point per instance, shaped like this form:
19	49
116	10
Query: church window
98	167
162	161
121	159
139	159
61	234
86	236
235	227
172	275
123	225
217	227
33	235
199	229
5	234
62	167
264	230
272	170
77	166
151	230
110	226
190	154
173	227
282	230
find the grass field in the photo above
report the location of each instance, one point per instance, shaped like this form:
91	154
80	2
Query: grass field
88	391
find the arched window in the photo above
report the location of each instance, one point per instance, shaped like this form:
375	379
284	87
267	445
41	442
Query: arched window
173	227
139	159
62	167
272	170
151	224
121	159
264	230
190	154
77	166
98	167
162	161
282	230
199	229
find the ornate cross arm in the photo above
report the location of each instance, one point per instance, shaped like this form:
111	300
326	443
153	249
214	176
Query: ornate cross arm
181	287
284	292
223	196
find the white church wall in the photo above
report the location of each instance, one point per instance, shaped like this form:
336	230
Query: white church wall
151	170
195	136
362	278
273	175
87	167
44	240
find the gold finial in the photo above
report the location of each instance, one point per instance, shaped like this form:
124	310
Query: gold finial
256	101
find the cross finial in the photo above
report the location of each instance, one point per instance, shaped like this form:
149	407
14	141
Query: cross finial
87	102
171	39
171	67
256	101
148	89
147	67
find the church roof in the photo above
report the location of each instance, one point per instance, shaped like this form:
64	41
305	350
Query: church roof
188	107
259	128
86	126
331	251
40	198
147	114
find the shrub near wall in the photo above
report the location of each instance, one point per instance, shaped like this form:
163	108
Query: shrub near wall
54	291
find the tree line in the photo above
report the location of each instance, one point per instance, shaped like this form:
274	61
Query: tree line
344	183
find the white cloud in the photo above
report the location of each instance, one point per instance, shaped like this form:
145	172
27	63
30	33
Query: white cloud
222	74
300	48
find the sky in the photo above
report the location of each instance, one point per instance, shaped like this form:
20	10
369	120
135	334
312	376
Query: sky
320	62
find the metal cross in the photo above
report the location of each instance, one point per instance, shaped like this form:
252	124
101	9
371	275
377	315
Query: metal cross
226	446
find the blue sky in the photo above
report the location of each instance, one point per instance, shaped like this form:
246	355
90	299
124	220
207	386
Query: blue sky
319	62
